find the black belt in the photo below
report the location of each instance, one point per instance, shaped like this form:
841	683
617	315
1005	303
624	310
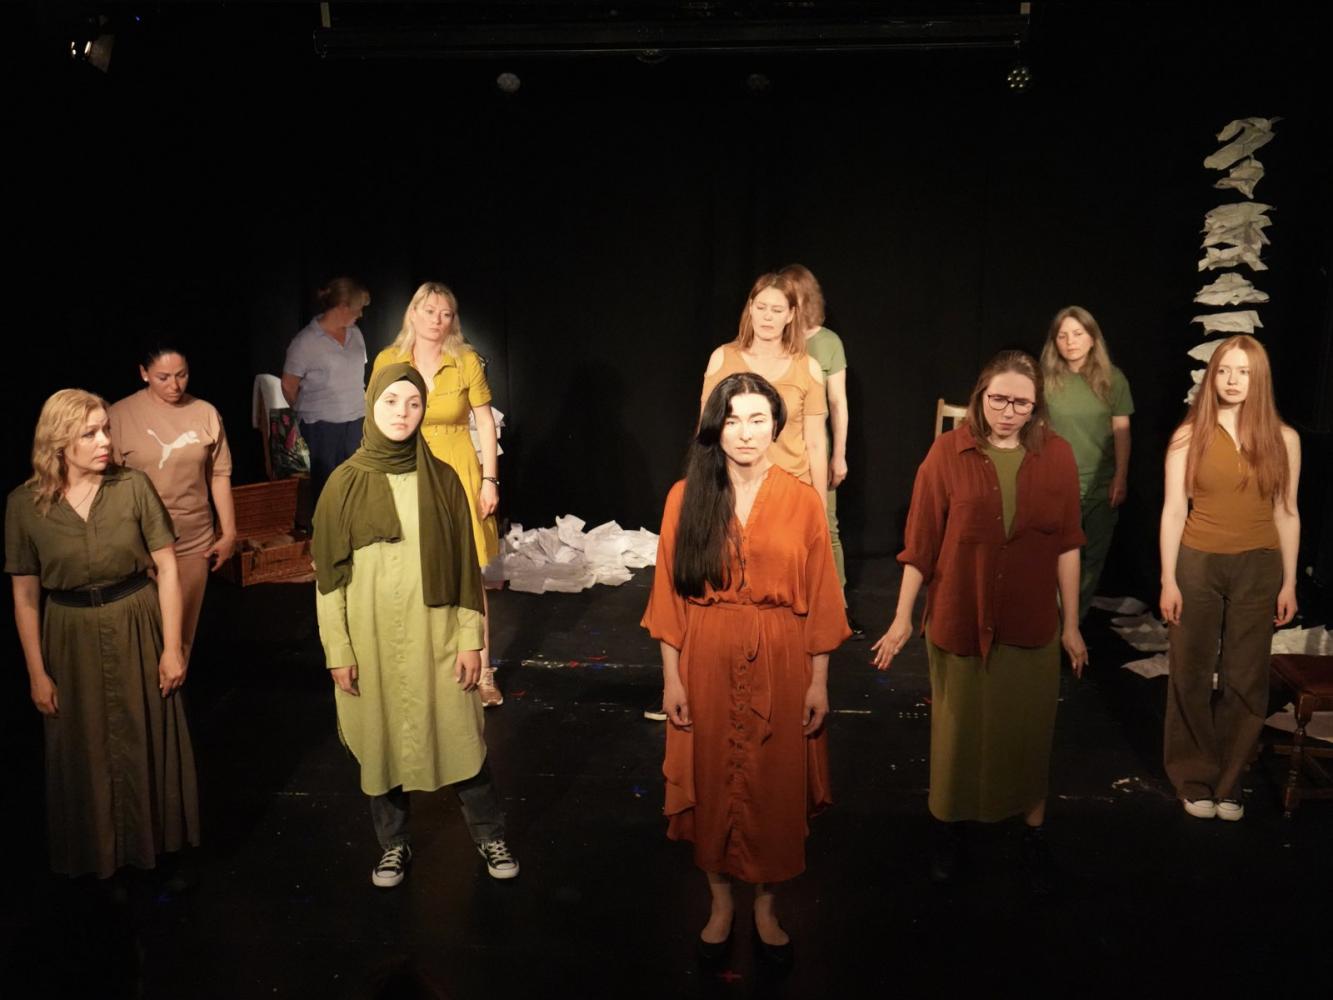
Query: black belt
95	597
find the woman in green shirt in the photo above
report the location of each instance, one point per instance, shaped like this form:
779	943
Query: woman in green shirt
1089	406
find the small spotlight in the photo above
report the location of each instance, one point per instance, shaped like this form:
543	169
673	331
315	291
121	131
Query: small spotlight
1019	78
508	83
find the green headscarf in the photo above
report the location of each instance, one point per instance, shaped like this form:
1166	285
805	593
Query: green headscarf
356	508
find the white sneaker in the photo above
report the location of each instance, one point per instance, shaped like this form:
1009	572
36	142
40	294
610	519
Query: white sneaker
392	867
490	694
1230	809
499	862
1201	808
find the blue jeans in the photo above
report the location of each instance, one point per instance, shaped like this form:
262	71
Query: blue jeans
476	796
330	445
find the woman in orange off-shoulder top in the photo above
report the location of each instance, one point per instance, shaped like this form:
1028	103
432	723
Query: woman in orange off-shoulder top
747	607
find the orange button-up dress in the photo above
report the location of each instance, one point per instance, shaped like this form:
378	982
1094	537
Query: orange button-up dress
742	783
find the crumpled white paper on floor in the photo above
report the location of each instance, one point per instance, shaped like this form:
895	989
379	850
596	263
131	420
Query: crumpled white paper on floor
1243	177
1230	289
566	559
1239	321
1247	135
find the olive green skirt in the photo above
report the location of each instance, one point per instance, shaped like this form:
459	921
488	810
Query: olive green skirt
991	726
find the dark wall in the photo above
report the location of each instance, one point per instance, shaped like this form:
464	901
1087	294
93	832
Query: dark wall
602	226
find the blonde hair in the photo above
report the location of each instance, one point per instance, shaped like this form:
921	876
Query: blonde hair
811	295
61	420
793	334
1096	367
454	343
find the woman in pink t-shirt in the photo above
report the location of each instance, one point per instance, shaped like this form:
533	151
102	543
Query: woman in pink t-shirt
179	442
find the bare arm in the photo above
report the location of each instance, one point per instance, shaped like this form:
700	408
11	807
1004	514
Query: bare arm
171	666
225	543
838	423
291	388
816	449
890	644
1175	509
1120	439
1067	577
1288	520
489	497
28	618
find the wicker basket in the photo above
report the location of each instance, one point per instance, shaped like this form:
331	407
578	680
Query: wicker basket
268	546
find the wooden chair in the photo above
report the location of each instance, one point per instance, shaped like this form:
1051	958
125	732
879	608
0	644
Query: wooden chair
947	411
1310	681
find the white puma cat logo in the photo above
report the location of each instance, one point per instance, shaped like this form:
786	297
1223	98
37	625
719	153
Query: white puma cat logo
189	437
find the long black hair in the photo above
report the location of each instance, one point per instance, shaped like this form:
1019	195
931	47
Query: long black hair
705	535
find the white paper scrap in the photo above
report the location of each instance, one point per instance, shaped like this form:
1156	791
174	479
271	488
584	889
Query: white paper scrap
1153	666
1320	726
1120	605
1204	352
566	559
1240	321
1243	177
1229	257
1230	289
1250	134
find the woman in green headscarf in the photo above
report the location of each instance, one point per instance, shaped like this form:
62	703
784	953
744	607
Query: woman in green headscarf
399	603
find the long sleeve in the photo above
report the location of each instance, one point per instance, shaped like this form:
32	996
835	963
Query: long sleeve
664	618
331	612
826	624
927	516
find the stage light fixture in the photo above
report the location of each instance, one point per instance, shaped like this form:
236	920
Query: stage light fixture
1019	78
93	44
508	83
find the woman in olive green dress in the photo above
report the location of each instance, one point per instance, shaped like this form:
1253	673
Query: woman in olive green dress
104	656
399	605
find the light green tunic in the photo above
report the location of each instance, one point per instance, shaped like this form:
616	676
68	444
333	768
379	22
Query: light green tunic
412	725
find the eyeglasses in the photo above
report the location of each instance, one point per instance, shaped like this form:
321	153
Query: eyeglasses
998	403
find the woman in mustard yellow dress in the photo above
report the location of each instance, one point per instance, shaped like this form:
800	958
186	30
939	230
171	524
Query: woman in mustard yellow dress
431	340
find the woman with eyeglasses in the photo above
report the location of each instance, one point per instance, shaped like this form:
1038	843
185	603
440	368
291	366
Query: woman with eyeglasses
1090	406
993	534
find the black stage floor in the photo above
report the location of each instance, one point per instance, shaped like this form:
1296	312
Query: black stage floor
605	905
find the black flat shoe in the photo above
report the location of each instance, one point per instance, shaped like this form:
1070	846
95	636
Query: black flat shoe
715	952
778	957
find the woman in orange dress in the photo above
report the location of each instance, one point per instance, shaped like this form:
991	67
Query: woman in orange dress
746	605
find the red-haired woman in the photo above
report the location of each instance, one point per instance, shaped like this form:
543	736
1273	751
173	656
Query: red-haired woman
771	343
1230	531
993	532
